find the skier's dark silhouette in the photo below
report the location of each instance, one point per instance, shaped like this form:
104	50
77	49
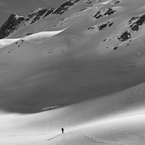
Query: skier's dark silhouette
62	129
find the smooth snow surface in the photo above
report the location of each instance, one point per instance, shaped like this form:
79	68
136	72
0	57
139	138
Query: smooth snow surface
7	42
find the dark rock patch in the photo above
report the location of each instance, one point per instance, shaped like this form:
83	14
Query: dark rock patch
102	26
98	15
124	36
110	24
36	15
49	11
104	12
115	48
29	33
132	19
140	21
91	28
104	40
10	25
65	6
110	11
116	2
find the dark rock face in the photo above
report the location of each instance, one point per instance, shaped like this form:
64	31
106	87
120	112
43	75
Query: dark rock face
103	13
139	21
34	16
10	25
48	12
89	2
98	15
125	36
117	2
110	11
102	26
14	21
65	6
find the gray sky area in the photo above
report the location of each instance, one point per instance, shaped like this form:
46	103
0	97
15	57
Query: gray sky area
23	7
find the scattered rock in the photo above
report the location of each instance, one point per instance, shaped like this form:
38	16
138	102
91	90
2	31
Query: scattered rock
115	48
124	36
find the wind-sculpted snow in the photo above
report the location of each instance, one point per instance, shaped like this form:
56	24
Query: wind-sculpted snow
32	37
81	66
42	35
7	42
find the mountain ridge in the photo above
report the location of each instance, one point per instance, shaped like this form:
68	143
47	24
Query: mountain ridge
15	21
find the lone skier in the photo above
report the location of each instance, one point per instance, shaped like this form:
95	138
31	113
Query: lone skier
62	129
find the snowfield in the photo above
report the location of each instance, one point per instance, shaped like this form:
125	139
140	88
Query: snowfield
81	68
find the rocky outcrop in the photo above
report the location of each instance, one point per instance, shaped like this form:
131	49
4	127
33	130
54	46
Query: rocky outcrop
139	21
65	6
14	21
104	12
11	25
38	14
48	12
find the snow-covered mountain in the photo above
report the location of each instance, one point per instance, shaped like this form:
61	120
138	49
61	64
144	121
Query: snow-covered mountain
16	22
38	14
83	65
73	39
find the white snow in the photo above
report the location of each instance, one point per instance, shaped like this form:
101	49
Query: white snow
39	35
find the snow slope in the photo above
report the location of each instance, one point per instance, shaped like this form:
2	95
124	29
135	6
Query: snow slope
91	122
36	37
82	70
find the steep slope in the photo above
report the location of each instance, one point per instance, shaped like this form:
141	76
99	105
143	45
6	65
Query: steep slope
16	22
11	25
92	47
37	15
32	18
81	67
65	6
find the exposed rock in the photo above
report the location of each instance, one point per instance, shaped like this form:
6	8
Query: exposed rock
124	36
140	21
14	21
11	25
104	25
132	19
65	6
110	11
49	11
117	2
89	2
98	15
29	33
115	48
36	15
104	12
